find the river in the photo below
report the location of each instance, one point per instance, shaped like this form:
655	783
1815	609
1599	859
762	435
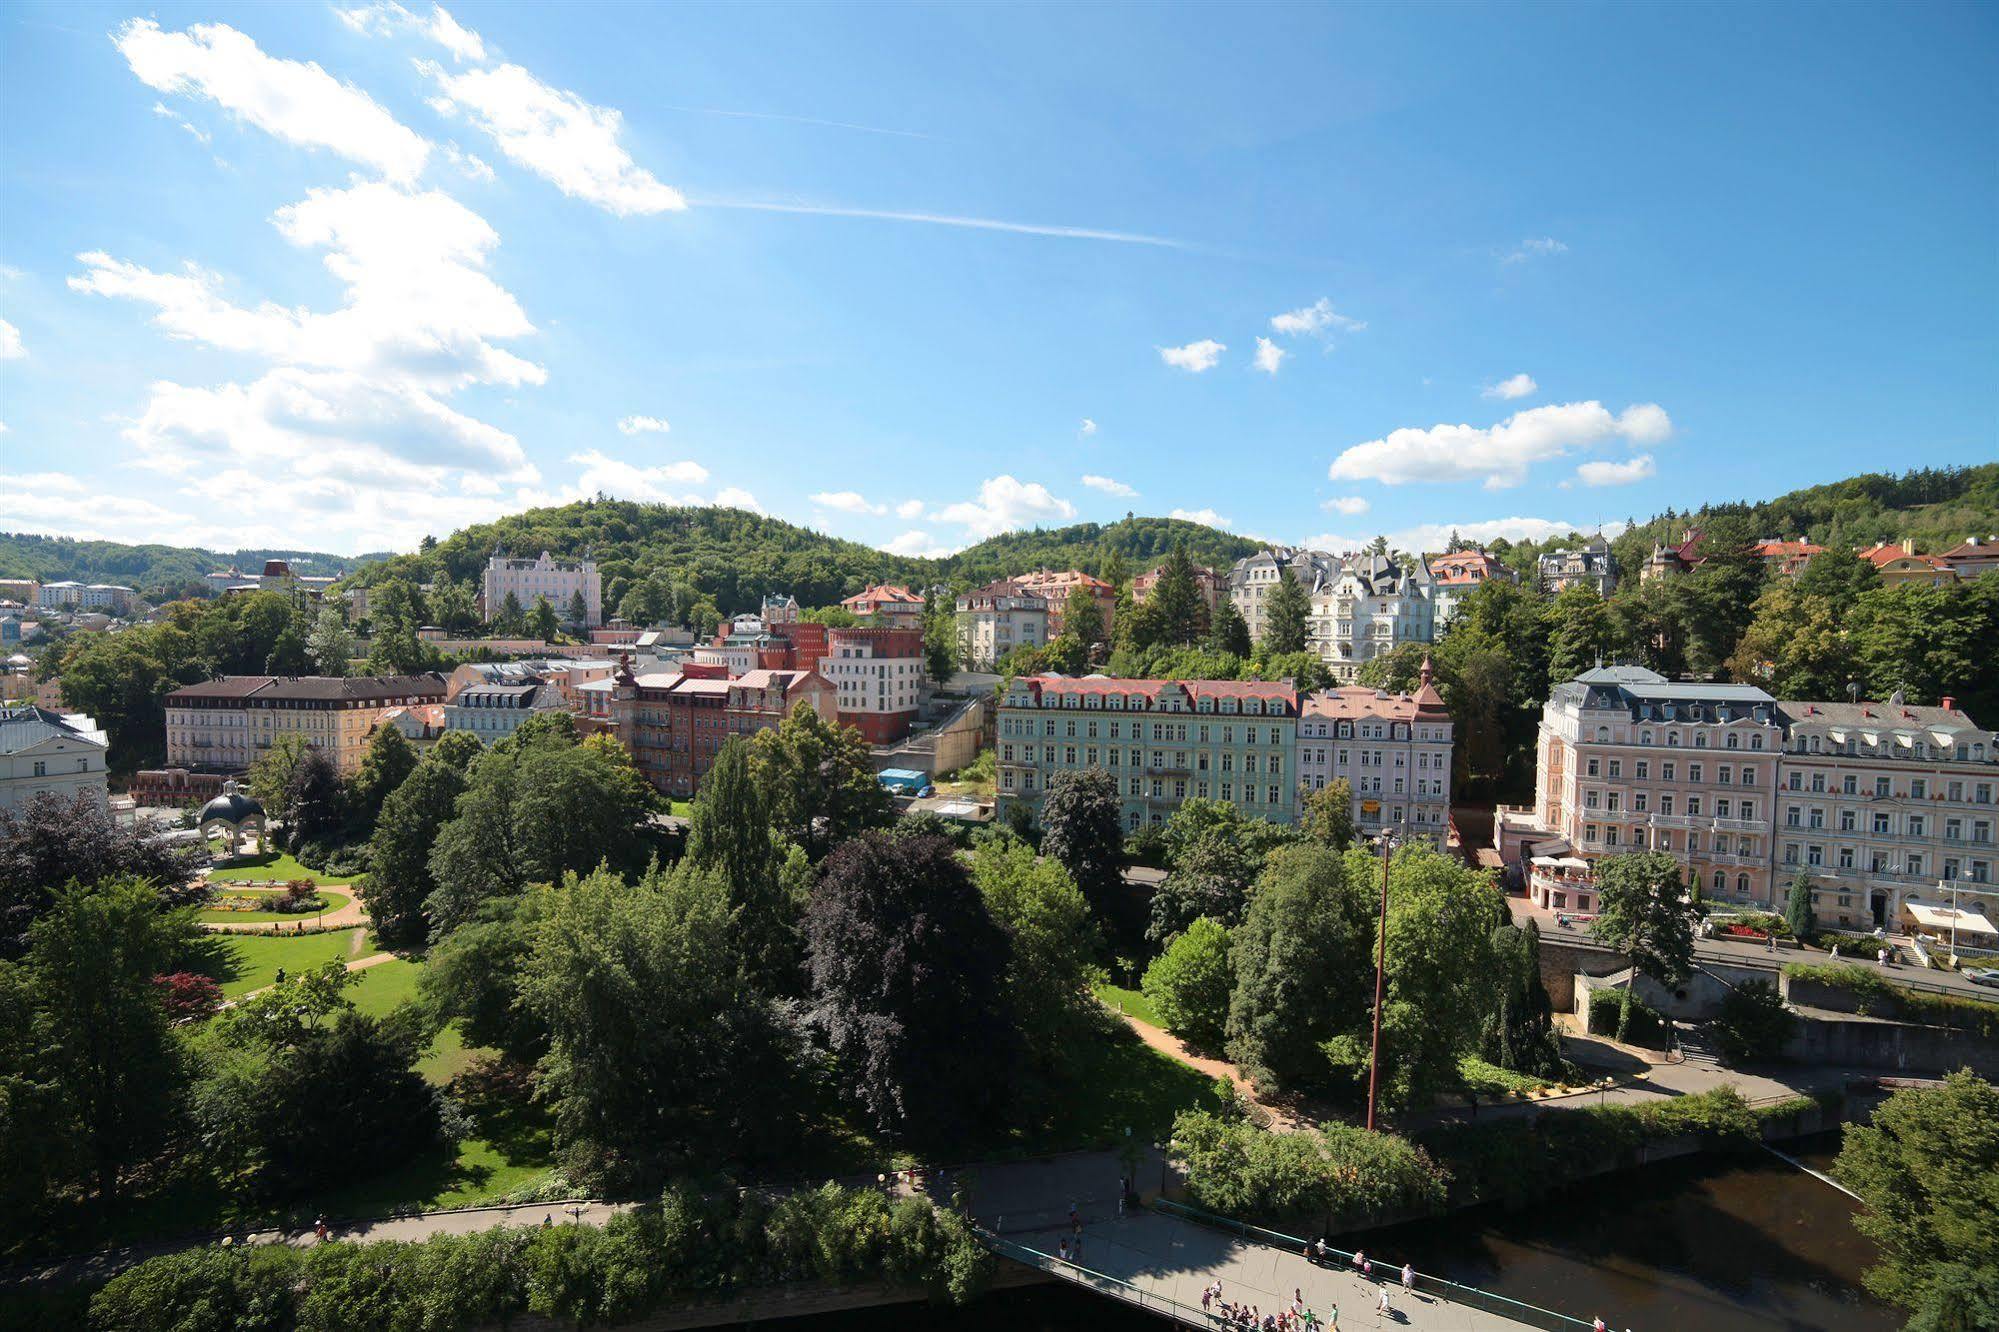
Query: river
1715	1243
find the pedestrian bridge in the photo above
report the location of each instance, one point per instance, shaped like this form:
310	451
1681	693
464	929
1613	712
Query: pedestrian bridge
1160	1258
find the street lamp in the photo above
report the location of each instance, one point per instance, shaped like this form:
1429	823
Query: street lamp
1388	840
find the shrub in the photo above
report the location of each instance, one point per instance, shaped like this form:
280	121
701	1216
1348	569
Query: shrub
633	1265
1753	1023
1190	983
1623	1016
1878	996
1348	1173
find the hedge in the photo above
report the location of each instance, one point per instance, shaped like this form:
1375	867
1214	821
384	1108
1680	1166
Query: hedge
636	1263
1515	1160
1877	995
1236	1169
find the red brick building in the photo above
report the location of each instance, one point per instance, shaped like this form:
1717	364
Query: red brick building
676	724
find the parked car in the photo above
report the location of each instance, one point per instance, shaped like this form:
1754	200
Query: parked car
1983	976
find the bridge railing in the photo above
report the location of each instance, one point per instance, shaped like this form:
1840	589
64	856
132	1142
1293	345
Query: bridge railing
1469	1296
1103	1284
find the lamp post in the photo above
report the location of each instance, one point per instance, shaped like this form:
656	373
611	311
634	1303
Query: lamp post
1952	885
1380	974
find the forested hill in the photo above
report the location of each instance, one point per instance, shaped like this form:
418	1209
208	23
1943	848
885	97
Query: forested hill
156	572
734	558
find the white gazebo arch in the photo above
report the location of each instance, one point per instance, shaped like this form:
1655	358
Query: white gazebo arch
235	811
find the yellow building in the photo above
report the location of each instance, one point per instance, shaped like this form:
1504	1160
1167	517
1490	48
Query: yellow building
1899	563
227	724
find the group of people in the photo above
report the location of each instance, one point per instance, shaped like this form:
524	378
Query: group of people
1297	1318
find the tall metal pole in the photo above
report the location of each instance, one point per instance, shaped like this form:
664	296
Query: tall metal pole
1380	972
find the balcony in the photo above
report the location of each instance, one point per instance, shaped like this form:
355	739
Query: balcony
1739	825
1686	821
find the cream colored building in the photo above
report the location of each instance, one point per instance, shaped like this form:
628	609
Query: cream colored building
1899	563
225	725
1254	577
1394	750
558	580
1883	804
995	619
1373	605
1630	761
49	753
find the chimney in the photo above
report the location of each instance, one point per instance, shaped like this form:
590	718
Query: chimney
1949	703
1908	545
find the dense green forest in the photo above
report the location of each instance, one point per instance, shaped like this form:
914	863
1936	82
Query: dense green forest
157	572
734	558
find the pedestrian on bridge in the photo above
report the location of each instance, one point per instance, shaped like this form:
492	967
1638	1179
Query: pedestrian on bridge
1408	1276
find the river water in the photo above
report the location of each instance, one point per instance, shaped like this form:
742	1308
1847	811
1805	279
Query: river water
1714	1243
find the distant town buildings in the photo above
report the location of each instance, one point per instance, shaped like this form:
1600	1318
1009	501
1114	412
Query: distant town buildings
114	598
995	619
1161	741
1370	606
1054	586
492	712
226	724
1670	561
50	753
1588	565
1974	557
560	581
1883	805
1210	586
1787	557
1393	750
1254	577
897	607
675	723
1898	563
878	677
1458	574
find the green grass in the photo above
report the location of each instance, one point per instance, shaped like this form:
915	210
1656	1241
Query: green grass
258	957
380	989
279	865
333	902
1133	1002
1493	1081
1122	1083
680	809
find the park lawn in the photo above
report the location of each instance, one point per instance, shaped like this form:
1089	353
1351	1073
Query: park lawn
1122	1083
680	809
384	987
258	957
278	865
1131	1002
333	900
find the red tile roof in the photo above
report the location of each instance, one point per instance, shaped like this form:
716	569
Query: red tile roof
1358	701
884	594
1104	686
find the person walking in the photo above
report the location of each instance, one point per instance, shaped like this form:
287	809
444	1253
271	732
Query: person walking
1062	1250
1383	1305
1408	1276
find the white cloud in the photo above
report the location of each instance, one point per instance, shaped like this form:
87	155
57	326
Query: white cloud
1534	247
10	342
847	501
643	425
1005	504
918	545
1433	536
615	476
295	101
1350	505
419	304
1518	386
909	508
386	19
1205	516
1110	487
735	497
1195	356
557	135
1314	318
1616	473
1498	455
41	481
1269	356
474	167
1088	428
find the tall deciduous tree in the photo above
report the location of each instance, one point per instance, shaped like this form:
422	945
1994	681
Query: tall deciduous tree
330	643
1082	617
729	834
1927	1166
662	1052
390	759
1285	613
1052	948
1329	815
908	975
1579	632
91	963
1644	910
1300	966
1190	985
52	841
818	780
399	880
1082	830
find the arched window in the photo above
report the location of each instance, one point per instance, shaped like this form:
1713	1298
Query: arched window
1603	734
1742	884
1720	881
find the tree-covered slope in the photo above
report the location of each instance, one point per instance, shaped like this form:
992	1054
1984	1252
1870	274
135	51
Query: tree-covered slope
153	570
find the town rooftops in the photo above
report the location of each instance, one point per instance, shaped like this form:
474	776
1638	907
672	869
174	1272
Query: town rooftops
1358	701
312	688
884	594
24	725
497	695
1650	696
1101	686
1001	589
1875	716
1884	553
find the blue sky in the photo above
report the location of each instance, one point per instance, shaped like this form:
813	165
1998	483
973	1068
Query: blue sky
335	276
